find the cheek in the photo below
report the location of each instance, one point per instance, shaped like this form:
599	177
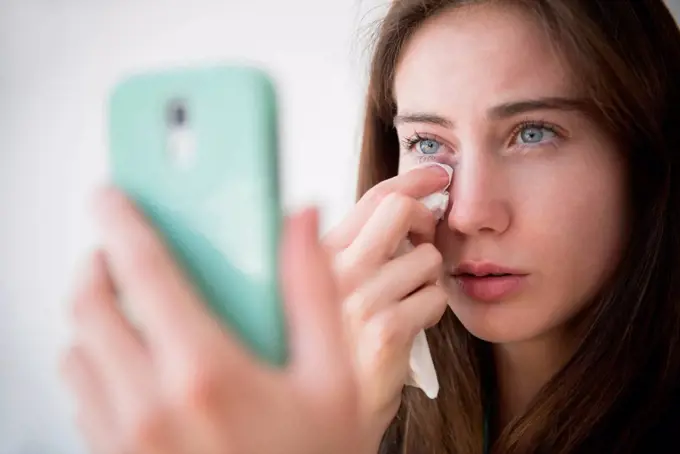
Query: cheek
575	228
567	231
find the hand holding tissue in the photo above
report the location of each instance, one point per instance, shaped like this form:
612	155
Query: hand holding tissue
422	373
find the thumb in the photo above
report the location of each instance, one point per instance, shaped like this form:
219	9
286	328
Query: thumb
316	332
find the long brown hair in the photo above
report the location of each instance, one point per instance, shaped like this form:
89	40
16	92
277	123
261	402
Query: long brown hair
626	370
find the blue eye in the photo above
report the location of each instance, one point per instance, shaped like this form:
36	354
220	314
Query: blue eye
534	134
428	146
424	146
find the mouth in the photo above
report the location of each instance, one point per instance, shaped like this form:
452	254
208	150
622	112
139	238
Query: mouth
488	282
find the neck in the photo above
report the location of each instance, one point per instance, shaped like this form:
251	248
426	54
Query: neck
522	369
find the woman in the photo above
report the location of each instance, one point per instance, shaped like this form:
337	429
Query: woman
559	257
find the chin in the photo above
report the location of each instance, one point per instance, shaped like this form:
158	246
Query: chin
503	322
494	336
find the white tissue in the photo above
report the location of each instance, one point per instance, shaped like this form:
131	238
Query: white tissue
422	373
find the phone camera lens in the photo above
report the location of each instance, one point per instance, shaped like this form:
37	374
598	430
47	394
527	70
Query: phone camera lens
177	114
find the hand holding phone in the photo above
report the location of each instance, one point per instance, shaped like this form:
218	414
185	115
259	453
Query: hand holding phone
196	150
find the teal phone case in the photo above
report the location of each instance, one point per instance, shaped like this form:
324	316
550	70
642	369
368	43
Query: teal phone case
217	208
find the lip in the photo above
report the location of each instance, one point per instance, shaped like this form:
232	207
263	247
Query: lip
488	282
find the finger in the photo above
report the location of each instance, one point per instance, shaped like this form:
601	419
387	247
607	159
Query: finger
316	332
395	218
415	184
386	340
393	282
422	310
95	416
384	232
172	317
116	351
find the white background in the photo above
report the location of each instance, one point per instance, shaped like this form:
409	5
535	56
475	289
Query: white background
58	60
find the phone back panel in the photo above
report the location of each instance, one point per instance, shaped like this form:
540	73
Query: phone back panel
196	149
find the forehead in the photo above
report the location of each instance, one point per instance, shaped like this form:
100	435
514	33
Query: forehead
476	57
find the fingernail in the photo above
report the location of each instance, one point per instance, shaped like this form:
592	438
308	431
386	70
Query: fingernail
448	170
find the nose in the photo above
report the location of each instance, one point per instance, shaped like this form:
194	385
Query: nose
480	200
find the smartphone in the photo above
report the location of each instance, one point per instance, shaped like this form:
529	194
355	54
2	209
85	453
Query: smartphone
196	150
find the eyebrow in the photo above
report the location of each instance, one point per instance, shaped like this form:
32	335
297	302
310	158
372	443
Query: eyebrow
502	111
423	118
565	104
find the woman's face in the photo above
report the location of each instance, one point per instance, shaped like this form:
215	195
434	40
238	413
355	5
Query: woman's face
539	189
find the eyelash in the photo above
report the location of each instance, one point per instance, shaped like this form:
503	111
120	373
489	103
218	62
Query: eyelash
537	124
408	143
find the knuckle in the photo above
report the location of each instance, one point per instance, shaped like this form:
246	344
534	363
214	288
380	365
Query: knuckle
85	307
354	273
357	264
387	333
358	308
438	299
402	210
429	260
146	429
377	193
430	255
198	387
380	252
345	281
440	296
398	203
330	241
344	264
